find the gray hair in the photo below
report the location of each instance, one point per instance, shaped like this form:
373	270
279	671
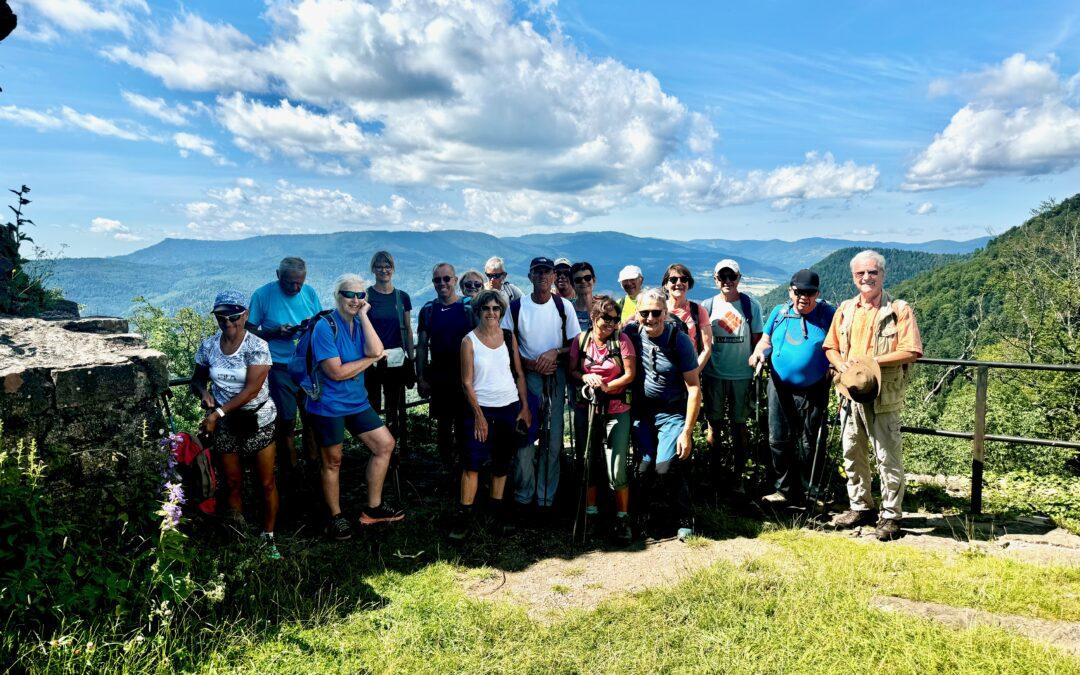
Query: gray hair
347	279
495	262
652	294
292	264
453	272
484	297
873	255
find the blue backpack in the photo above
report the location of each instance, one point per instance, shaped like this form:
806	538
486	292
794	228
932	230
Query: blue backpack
302	367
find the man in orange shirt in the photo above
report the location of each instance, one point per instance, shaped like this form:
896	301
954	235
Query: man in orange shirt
875	326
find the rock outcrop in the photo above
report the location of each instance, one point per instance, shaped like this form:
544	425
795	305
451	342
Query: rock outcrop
88	392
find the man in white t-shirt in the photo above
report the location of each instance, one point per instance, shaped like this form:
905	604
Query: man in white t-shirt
735	319
544	324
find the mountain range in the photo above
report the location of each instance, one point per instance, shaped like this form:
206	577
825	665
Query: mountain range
177	273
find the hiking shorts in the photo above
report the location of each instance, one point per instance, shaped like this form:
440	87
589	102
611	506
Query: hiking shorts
331	430
498	450
228	443
288	396
726	398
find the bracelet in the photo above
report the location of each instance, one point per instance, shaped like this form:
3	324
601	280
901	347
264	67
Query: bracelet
220	412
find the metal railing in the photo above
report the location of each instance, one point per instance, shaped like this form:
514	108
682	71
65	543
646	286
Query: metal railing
978	437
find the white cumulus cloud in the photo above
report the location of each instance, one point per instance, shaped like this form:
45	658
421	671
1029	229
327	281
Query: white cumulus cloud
924	209
85	15
114	228
176	114
1024	120
189	143
66	117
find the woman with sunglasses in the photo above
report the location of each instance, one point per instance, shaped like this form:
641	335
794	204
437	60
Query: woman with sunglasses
241	415
345	345
472	282
390	314
499	414
677	282
604	360
583	278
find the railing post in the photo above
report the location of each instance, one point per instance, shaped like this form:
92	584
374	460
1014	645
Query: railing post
978	449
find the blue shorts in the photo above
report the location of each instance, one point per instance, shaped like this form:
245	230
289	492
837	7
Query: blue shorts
288	397
502	440
656	436
331	430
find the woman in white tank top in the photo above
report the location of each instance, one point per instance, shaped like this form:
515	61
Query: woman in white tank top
499	412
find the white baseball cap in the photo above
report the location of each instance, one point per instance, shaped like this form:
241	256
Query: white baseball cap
726	263
630	272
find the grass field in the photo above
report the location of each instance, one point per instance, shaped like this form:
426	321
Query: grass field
804	606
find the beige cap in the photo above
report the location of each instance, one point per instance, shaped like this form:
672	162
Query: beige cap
861	381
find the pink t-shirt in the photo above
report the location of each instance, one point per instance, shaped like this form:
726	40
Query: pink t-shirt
692	326
598	362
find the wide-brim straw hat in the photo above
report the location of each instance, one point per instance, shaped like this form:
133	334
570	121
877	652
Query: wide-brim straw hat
861	382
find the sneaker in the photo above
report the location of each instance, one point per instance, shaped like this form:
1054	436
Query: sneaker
776	499
463	522
338	528
382	513
622	531
852	518
269	547
686	530
887	529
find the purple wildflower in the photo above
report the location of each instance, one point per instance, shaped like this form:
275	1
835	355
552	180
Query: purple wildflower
172	512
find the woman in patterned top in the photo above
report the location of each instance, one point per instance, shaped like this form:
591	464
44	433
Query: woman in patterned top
241	414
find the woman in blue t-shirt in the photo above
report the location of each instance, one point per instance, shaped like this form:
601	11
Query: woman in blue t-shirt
345	344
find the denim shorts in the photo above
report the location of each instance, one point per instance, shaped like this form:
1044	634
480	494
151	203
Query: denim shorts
331	430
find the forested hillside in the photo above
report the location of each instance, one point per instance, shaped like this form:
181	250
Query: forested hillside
835	272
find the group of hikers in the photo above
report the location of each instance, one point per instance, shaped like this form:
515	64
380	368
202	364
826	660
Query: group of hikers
503	367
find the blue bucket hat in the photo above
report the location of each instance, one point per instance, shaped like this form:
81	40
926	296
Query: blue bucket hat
230	299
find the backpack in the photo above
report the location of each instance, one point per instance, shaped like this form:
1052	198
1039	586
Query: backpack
695	309
614	350
515	312
302	367
196	469
744	305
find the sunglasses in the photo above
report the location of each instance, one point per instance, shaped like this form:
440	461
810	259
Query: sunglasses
609	318
494	309
228	318
353	295
727	277
804	294
676	279
648	313
583	279
496	275
472	285
441	280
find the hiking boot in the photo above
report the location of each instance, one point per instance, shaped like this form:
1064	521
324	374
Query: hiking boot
463	524
338	528
621	530
686	529
776	499
372	515
852	518
887	529
269	547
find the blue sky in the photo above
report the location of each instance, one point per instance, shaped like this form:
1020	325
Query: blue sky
134	121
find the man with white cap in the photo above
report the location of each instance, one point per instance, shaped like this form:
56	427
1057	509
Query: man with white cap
631	279
735	319
872	339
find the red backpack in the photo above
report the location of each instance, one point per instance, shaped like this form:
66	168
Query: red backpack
196	470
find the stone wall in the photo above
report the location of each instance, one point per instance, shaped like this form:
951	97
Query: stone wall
89	392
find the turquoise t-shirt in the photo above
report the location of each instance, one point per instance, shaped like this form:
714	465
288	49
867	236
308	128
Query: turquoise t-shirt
797	356
271	308
339	397
731	339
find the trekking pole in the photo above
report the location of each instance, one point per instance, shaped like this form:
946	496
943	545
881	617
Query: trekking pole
589	395
545	432
818	442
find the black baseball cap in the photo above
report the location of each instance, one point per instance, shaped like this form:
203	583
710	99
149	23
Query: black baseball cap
541	261
806	280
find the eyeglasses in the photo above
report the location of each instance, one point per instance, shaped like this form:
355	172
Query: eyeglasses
383	268
727	277
676	279
562	273
228	318
649	313
583	279
872	273
441	280
472	285
352	295
493	309
609	318
494	276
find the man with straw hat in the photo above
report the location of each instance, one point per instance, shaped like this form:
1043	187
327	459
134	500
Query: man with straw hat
871	342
